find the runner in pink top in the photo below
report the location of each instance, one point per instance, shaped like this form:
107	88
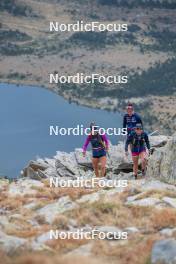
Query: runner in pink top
100	146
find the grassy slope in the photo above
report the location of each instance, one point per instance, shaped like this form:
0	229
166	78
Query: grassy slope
107	211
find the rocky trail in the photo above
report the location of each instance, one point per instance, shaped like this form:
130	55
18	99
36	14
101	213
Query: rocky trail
145	209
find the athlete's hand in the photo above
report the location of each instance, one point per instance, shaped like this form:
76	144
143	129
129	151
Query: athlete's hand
126	154
84	153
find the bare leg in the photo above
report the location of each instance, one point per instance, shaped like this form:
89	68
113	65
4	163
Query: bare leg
103	165
144	161
95	162
135	165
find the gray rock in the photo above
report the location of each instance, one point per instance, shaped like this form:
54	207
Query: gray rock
42	175
11	243
24	186
84	250
84	162
30	206
164	252
32	169
30	173
170	201
162	164
125	167
157	185
116	155
134	197
36	165
90	198
145	202
36	246
50	211
43	238
158	141
63	170
73	223
131	230
4	221
168	231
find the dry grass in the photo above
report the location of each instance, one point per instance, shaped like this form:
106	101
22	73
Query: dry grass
40	219
23	233
57	259
138	252
135	251
65	245
96	213
28	233
111	213
140	211
22	228
157	194
4	257
11	203
122	196
56	193
164	218
60	222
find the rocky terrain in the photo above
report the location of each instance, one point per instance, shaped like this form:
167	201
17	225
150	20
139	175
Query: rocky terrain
146	53
145	209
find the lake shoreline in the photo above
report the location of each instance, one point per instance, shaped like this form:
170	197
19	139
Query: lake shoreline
149	108
33	110
95	104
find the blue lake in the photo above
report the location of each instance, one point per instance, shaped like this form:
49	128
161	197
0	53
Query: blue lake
26	114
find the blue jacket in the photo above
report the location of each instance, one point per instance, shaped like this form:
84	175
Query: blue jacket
130	122
138	142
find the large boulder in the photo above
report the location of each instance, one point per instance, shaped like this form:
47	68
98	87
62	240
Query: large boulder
11	243
164	252
162	164
158	141
24	186
62	205
35	169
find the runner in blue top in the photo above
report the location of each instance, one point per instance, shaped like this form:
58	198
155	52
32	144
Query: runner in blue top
139	141
130	119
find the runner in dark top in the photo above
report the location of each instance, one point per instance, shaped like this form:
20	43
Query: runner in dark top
138	139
